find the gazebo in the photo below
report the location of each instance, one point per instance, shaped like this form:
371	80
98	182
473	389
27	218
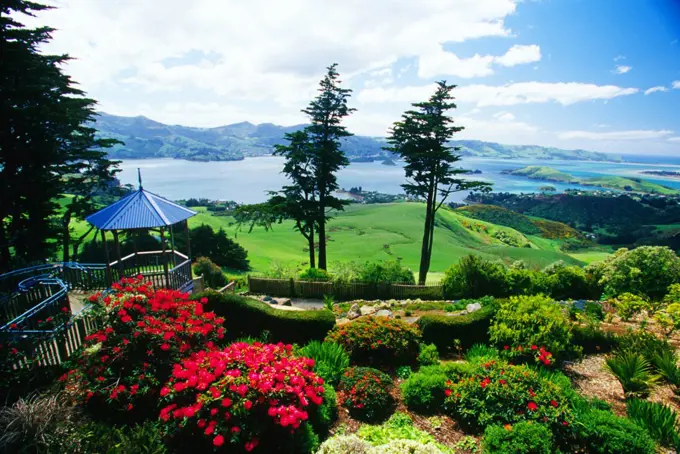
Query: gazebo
143	210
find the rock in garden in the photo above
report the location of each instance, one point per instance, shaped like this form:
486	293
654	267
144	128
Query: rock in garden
283	301
383	305
367	310
353	312
384	313
267	299
470	308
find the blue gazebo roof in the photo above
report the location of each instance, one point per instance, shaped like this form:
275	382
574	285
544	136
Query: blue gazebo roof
139	210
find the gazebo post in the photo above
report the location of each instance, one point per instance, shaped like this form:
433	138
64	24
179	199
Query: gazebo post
116	243
186	232
172	245
108	261
165	260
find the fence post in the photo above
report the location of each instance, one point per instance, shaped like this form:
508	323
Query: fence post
248	277
292	287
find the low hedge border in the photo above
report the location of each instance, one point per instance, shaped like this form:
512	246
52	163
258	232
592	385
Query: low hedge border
469	329
249	317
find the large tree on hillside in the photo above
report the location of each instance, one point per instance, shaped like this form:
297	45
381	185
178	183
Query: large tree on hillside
326	113
44	137
421	139
298	201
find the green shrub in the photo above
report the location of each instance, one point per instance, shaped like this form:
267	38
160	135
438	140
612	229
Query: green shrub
634	373
424	391
521	438
601	432
330	359
212	274
378	339
400	446
323	416
366	392
523	281
469	329
480	352
390	271
344	444
428	355
403	372
667	365
474	277
566	281
524	321
628	305
644	343
659	420
143	438
314	274
499	393
249	317
646	270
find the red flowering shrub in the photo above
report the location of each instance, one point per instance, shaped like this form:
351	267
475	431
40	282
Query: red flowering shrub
145	331
378	339
520	353
242	396
366	392
500	393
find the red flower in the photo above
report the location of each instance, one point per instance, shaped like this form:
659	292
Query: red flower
218	440
532	406
533	347
447	392
553	403
165	347
248	404
506	347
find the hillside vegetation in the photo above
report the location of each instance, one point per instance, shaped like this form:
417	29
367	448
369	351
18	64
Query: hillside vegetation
393	231
544	173
146	138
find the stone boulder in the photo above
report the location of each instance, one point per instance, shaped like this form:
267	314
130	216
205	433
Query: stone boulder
367	310
353	312
283	301
470	308
267	299
384	313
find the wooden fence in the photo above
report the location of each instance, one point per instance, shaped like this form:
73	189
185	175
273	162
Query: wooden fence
343	291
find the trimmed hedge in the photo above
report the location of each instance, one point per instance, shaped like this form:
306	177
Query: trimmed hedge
249	317
470	329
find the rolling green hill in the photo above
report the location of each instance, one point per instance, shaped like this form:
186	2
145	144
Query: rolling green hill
394	231
605	181
146	138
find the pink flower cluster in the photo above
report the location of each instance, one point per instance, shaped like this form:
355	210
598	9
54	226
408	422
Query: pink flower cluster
223	393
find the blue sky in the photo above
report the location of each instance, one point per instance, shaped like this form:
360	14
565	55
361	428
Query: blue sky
564	73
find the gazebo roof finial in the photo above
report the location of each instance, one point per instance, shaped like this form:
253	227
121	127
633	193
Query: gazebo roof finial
139	176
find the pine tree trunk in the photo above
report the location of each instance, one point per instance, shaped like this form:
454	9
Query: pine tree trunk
310	239
322	233
425	247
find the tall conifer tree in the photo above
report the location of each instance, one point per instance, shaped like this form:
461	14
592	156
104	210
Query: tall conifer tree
421	139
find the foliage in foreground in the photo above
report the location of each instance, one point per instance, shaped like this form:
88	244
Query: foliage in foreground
602	432
330	360
659	420
380	339
634	373
366	392
521	438
122	366
525	321
500	393
244	395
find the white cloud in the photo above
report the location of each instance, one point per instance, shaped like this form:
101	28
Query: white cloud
640	134
564	93
518	55
674	139
622	69
676	84
619	57
438	62
649	91
504	116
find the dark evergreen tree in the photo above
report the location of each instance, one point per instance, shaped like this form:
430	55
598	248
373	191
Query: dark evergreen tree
421	139
217	246
326	113
298	201
45	135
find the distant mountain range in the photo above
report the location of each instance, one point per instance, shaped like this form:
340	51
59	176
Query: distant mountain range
145	138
